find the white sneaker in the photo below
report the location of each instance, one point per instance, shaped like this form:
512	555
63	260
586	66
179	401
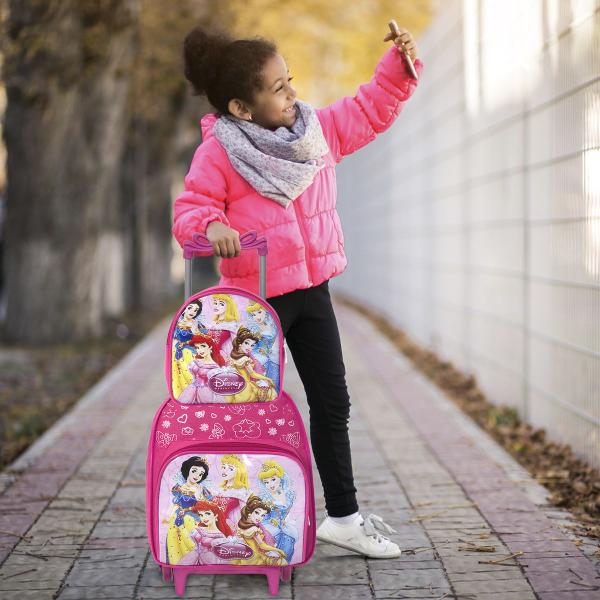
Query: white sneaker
360	536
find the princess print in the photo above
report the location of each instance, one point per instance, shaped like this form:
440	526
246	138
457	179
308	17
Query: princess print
207	362
258	388
267	348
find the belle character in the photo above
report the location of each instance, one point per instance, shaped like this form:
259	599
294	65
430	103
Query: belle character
258	388
184	520
249	530
276	490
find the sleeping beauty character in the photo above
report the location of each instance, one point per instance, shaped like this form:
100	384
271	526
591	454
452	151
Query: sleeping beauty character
187	326
233	489
213	536
224	323
258	388
184	520
276	490
267	347
249	530
206	362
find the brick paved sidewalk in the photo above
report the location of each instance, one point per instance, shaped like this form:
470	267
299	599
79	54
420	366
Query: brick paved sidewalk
72	521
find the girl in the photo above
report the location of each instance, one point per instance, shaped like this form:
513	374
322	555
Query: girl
212	530
267	162
188	325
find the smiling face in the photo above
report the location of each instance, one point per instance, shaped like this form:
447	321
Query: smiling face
257	515
219	306
196	474
191	310
273	483
247	345
227	471
270	108
260	315
207	518
203	349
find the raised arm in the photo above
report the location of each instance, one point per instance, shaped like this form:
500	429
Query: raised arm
353	121
203	198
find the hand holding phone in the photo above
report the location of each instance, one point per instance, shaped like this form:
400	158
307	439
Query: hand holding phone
395	33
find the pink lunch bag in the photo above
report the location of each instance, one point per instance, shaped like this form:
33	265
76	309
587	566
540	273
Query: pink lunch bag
229	484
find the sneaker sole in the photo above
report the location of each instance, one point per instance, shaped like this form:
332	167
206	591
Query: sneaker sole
347	547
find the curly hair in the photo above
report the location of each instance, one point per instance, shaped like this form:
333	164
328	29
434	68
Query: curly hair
223	68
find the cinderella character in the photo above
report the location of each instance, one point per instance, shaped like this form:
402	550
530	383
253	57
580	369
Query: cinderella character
276	490
267	347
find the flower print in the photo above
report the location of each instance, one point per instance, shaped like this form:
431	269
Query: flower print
166	424
261	411
272	431
227	417
204	427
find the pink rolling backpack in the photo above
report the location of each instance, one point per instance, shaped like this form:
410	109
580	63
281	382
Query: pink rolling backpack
229	484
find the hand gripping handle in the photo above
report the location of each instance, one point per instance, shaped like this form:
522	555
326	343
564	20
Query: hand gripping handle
199	245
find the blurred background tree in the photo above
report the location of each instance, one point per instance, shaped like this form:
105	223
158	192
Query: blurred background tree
100	126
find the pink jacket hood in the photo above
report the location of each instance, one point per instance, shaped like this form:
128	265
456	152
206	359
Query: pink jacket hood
305	240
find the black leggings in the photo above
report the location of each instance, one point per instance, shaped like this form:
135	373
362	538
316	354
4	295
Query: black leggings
310	329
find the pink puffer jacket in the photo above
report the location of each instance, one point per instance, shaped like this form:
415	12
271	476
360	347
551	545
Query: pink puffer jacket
305	240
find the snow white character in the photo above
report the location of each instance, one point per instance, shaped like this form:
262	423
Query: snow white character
234	488
187	326
212	530
207	361
267	347
224	323
250	531
258	388
183	520
276	489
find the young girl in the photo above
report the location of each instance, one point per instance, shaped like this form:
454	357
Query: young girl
267	163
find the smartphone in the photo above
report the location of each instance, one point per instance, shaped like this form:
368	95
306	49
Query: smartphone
394	29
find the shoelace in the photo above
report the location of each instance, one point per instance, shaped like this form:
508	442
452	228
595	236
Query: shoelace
374	522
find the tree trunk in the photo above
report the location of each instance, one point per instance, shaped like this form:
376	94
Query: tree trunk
67	90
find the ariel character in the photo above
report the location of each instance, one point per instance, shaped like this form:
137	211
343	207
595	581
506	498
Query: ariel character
184	520
206	362
234	488
212	530
276	490
187	326
224	322
249	530
267	347
258	388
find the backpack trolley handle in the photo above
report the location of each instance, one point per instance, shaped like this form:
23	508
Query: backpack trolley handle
200	246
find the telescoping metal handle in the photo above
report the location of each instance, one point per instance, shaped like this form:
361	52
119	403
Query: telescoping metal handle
200	246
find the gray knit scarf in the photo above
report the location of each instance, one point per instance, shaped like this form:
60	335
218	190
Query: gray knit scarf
278	164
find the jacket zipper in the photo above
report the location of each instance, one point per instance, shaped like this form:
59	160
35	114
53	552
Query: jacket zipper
304	239
212	448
